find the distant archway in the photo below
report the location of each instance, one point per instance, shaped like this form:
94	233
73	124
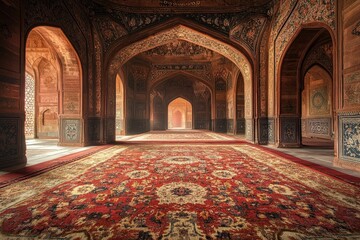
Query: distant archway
179	114
180	86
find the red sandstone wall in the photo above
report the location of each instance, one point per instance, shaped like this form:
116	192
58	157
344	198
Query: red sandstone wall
12	143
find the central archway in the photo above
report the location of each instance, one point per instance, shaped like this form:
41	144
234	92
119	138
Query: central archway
179	114
192	89
120	56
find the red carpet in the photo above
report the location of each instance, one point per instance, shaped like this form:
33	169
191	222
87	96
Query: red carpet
181	192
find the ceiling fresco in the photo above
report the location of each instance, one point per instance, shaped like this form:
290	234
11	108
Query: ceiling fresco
241	21
179	48
180	56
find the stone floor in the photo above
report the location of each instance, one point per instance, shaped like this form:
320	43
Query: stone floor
39	151
323	157
42	150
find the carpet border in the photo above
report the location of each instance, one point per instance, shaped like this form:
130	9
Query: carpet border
353	180
37	169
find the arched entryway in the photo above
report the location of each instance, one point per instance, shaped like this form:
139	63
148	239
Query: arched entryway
305	102
191	99
179	114
317	116
53	93
120	107
153	118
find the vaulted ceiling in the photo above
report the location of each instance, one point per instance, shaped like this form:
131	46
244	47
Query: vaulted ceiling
181	57
171	37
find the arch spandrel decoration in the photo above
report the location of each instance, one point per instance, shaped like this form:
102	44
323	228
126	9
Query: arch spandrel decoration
181	32
66	52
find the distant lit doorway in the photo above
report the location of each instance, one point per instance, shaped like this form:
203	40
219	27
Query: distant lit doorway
180	114
120	122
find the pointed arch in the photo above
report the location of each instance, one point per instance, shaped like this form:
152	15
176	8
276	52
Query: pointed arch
58	77
316	108
120	56
179	114
199	96
290	81
181	32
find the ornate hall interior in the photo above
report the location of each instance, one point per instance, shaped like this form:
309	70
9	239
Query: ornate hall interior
279	73
282	76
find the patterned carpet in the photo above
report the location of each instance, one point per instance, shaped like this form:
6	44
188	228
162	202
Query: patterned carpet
180	191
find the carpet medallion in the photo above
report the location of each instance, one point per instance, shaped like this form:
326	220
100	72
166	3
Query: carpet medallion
181	192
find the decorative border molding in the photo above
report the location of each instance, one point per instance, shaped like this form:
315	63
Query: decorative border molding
349	138
351	84
289	127
71	130
9	139
264	131
267	134
249	129
93	127
249	31
318	127
271	130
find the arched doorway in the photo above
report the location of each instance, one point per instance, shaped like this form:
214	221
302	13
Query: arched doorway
120	107
186	87
317	118
179	114
240	106
178	33
306	88
55	68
